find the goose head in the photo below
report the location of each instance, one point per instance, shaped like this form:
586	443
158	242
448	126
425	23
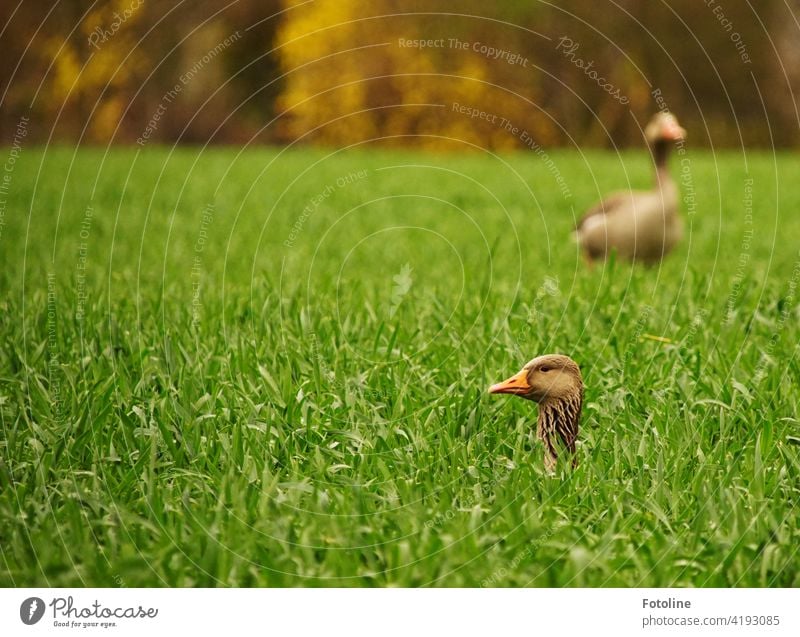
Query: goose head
554	381
664	127
545	379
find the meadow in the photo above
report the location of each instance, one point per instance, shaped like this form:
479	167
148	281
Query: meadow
269	368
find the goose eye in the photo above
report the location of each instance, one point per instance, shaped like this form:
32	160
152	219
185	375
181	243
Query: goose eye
544	369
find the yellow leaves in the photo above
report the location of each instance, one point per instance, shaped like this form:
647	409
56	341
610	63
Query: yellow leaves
94	60
339	62
66	69
106	118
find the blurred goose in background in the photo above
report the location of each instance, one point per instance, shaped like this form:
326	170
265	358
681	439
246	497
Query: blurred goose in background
554	381
639	225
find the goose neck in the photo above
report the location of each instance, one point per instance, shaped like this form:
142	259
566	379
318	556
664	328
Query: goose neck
660	150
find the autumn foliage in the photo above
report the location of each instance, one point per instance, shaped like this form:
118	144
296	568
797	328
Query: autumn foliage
415	73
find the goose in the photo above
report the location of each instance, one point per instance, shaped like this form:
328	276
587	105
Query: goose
554	381
640	225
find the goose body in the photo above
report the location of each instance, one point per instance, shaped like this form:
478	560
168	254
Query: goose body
554	382
639	225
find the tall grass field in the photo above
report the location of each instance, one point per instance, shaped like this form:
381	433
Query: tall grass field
269	368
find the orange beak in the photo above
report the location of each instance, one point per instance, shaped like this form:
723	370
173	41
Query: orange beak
517	385
674	133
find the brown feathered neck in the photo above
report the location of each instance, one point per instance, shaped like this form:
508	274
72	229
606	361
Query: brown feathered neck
661	150
560	417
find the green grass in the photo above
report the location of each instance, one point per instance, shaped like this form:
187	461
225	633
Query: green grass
243	412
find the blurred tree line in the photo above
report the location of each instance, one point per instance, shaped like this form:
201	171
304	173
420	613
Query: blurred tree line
337	72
